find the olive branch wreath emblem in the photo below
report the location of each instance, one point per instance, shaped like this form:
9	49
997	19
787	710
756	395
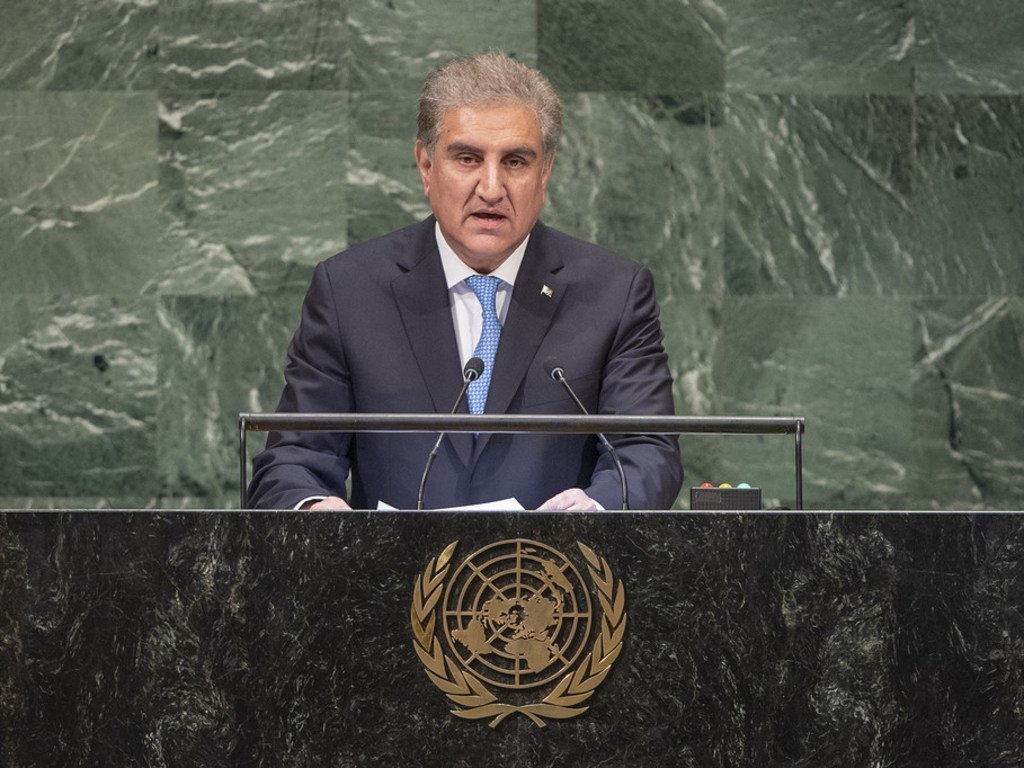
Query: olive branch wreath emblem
466	690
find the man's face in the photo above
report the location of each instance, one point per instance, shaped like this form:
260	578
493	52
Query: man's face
486	180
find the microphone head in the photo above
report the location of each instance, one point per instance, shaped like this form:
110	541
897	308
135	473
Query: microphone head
554	370
473	368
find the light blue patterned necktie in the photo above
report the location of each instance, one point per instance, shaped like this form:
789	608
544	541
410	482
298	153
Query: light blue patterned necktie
485	288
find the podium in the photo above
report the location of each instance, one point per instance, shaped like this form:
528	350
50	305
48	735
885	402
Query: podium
210	638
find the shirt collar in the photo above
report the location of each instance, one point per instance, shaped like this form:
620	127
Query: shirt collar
456	270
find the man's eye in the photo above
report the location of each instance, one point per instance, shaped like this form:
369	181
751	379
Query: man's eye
515	162
465	159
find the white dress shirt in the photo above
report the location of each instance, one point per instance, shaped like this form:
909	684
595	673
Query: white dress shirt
467	315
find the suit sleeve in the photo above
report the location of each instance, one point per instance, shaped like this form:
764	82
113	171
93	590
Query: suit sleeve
636	381
297	465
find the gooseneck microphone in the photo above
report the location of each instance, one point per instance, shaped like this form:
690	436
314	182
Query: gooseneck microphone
557	372
470	373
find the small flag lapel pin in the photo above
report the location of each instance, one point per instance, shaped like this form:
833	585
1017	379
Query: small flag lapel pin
547	291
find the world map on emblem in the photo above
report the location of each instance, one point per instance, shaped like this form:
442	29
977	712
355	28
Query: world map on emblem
517	613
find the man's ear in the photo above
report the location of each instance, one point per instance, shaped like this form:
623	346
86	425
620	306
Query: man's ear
424	164
549	164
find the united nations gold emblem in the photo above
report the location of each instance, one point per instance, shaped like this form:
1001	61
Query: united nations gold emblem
513	630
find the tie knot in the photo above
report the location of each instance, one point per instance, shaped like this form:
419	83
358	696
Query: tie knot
485	287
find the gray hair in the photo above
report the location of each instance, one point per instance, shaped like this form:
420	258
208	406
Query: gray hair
487	78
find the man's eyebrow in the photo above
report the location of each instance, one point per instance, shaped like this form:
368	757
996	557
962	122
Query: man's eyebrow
458	146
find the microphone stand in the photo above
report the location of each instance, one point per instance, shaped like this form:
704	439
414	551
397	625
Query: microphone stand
474	367
558	374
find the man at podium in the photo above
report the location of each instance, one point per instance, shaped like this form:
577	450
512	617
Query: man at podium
392	325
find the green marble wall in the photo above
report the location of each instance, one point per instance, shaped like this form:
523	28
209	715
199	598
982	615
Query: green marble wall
831	196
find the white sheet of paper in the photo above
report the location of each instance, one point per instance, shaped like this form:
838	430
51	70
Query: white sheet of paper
502	505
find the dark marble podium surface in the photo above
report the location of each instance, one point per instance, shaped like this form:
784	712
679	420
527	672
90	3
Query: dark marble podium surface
283	639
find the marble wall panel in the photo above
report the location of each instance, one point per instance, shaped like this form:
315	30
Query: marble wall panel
818	195
252	189
16	319
655	47
78	400
78	366
79	44
969	196
969	47
78	193
844	364
874	195
218	356
393	44
836	46
968	402
879	46
253	45
383	186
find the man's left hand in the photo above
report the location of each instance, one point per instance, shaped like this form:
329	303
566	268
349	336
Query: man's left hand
573	498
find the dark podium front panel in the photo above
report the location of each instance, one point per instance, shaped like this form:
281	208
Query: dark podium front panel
290	639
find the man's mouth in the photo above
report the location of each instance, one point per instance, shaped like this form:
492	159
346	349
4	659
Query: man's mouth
488	216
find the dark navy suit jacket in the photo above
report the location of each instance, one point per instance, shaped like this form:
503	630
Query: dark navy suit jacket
376	336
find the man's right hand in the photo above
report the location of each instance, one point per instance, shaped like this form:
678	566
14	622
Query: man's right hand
331	502
572	498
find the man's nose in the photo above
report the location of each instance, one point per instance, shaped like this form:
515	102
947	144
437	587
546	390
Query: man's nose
491	184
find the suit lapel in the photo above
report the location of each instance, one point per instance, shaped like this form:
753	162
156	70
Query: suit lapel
538	291
421	296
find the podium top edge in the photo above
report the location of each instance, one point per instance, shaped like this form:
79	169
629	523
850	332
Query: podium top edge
514	423
498	513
